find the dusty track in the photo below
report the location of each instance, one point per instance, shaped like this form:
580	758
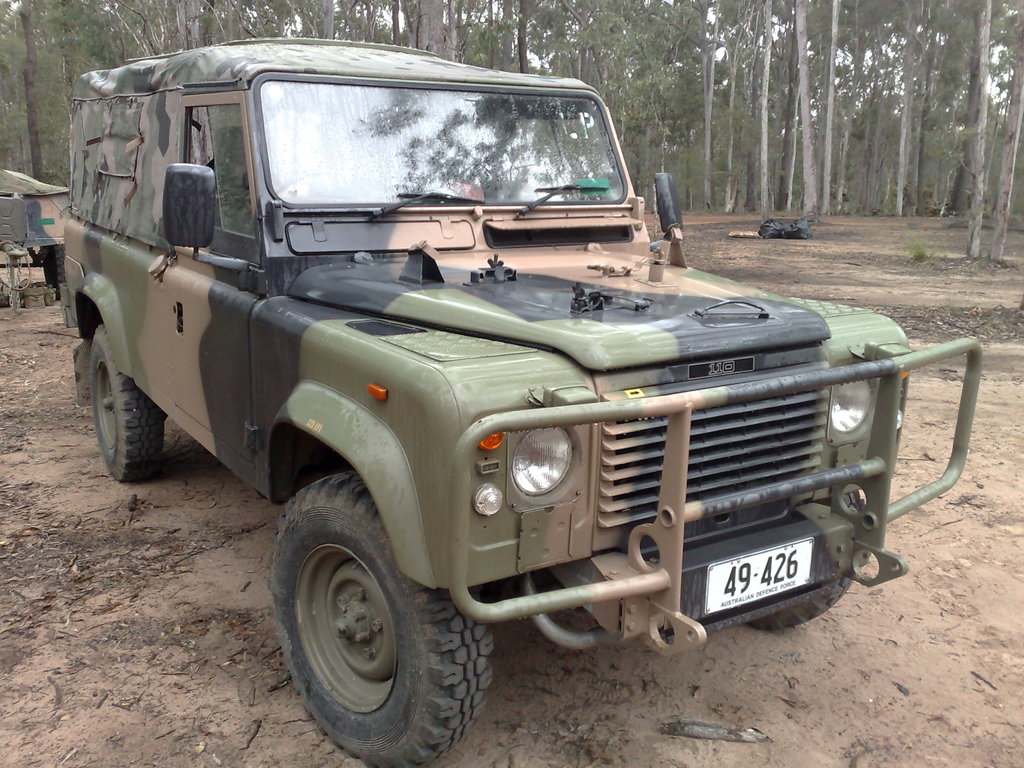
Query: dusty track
134	627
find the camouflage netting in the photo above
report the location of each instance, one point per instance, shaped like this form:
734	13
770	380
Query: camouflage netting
125	121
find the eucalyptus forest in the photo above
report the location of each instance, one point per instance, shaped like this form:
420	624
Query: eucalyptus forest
835	106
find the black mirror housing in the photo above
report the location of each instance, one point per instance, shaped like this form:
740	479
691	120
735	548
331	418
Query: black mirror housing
669	210
190	202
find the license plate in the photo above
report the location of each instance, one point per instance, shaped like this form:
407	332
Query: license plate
762	574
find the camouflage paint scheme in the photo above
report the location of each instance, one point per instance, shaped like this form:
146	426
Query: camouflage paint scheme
38	206
267	364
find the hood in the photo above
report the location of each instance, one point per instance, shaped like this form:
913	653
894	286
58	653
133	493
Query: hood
615	328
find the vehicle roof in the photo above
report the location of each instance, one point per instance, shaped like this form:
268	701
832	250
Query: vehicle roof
240	62
14	183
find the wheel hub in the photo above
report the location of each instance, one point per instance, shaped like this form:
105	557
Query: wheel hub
346	627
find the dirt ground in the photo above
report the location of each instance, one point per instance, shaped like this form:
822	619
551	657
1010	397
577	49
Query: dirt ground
134	622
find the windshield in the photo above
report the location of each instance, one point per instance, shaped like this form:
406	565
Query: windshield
331	143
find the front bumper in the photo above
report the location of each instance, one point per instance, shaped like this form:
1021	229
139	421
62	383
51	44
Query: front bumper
646	598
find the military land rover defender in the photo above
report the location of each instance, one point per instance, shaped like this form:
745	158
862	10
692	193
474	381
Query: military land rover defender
417	300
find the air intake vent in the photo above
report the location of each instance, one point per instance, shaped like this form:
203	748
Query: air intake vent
732	447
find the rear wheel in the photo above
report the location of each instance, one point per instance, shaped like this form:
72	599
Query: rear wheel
129	426
390	669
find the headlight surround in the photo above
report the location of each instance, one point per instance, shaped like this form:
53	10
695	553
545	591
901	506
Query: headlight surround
849	411
541	460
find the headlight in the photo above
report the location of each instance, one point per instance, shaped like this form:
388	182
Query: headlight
541	460
849	409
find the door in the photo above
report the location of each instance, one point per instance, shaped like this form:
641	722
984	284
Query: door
209	314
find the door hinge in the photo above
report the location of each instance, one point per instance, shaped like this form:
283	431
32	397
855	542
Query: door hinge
253	437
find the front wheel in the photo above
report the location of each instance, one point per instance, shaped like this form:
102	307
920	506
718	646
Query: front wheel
390	669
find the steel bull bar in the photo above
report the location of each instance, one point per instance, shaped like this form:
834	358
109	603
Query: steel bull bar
650	591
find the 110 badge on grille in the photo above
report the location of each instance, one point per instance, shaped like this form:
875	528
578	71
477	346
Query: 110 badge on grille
720	368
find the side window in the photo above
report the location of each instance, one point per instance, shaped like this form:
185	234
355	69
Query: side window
216	139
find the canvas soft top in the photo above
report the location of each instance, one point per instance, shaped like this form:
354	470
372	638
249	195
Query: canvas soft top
240	62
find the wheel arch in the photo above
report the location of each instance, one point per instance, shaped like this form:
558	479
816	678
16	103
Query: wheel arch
97	302
317	417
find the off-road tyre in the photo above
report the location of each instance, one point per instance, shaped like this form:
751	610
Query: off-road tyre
440	669
811	608
129	426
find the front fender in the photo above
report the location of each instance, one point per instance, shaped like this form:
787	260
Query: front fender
373	450
101	291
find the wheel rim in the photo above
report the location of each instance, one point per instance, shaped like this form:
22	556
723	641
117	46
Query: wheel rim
103	397
346	628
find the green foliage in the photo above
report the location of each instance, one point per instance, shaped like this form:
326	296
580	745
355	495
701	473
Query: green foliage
919	253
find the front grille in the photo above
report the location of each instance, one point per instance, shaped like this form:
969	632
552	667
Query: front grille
732	447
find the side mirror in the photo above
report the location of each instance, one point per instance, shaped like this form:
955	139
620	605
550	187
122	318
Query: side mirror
669	212
190	202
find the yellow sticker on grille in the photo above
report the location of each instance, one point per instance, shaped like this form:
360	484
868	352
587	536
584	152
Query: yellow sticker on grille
633	394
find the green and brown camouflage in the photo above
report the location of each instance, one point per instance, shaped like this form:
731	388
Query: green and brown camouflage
31	211
310	338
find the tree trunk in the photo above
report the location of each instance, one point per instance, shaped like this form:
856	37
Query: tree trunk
328	16
924	126
868	155
980	128
451	34
432	37
806	126
507	39
396	22
958	197
31	94
524	15
877	168
1010	142
707	64
754	105
766	205
731	193
785	192
844	149
187	16
830	108
908	99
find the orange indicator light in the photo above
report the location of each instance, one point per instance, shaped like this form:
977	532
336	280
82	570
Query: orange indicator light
377	391
492	442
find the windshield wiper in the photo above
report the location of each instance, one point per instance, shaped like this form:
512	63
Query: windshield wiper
409	198
552	191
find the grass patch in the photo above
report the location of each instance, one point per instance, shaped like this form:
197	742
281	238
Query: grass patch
919	253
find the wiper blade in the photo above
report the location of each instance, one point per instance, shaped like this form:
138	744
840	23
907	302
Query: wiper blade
410	198
552	191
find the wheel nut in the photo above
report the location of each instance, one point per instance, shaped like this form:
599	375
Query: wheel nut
377	625
359	595
369	653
